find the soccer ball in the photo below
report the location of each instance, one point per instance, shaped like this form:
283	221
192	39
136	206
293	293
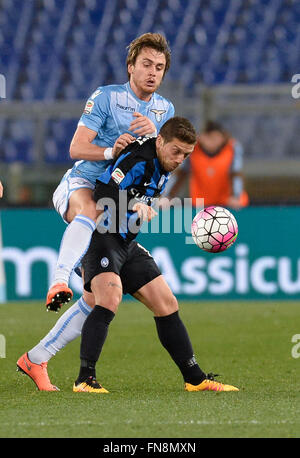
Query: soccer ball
214	229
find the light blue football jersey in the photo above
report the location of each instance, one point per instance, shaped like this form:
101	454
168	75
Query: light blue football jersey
108	112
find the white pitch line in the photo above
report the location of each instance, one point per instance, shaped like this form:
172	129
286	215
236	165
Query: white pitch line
189	422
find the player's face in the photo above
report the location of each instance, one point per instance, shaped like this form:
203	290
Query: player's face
147	72
173	153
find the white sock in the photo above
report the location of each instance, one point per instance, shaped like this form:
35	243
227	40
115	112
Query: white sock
74	244
66	329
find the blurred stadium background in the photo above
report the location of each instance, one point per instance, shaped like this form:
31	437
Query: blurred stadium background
232	60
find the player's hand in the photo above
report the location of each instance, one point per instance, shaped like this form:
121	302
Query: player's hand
121	143
145	212
1	189
142	125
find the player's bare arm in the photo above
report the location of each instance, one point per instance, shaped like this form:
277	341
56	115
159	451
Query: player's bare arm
1	189
82	147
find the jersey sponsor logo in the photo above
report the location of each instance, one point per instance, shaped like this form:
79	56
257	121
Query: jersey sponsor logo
122	107
142	140
118	175
140	196
88	107
158	114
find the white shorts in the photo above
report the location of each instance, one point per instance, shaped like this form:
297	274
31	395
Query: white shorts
64	190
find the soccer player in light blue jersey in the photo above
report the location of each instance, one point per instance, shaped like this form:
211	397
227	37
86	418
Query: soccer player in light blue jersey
113	117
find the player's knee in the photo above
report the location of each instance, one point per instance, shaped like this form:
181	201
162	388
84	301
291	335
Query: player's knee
109	301
111	304
172	304
168	306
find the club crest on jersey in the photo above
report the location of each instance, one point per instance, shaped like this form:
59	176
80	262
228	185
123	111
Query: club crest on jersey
158	114
88	107
104	262
118	175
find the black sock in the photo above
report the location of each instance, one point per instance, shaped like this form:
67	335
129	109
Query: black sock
93	336
174	337
87	369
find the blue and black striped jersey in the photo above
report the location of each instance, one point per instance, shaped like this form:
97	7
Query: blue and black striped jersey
135	176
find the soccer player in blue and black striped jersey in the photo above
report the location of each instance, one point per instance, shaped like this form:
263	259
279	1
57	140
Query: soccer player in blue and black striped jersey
115	264
139	175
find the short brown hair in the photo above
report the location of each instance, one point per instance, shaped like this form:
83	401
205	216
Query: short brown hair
149	40
180	128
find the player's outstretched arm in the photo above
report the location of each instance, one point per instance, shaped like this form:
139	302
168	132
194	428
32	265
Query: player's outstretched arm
1	189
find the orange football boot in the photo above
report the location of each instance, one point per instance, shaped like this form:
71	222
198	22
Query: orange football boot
209	384
58	295
37	372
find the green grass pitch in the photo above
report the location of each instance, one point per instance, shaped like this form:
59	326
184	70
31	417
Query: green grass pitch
248	343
